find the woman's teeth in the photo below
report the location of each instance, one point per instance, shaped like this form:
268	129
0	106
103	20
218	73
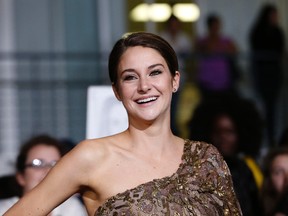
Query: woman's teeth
147	100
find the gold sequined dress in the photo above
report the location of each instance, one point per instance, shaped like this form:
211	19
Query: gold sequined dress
201	186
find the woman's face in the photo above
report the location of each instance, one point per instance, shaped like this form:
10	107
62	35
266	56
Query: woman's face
145	84
279	173
32	176
224	135
273	17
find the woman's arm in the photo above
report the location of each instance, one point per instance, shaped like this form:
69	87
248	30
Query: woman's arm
63	180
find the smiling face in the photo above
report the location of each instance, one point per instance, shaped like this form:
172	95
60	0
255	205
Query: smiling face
145	84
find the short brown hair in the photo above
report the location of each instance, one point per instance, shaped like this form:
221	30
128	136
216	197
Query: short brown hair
143	39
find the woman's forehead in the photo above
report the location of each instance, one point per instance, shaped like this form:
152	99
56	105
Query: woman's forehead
141	55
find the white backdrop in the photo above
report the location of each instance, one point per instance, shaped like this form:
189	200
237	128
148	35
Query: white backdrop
105	114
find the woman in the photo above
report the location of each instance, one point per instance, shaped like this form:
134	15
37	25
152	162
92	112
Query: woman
36	157
217	67
274	196
145	169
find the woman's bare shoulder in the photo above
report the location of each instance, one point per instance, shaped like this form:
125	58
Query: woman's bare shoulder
97	151
86	157
93	149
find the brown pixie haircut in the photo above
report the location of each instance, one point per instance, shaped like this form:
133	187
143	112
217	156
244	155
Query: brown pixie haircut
143	39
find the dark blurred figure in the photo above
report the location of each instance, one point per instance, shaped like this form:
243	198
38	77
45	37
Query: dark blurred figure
216	54
67	144
274	193
284	138
234	127
267	44
9	187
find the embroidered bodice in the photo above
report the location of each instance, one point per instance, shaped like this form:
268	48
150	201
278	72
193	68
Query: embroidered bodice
202	185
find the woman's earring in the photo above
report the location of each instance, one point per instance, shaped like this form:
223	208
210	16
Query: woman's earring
174	90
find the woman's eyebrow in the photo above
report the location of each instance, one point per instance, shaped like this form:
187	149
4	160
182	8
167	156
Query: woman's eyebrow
150	67
155	65
128	70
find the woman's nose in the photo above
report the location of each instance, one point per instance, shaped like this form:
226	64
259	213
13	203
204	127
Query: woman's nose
144	85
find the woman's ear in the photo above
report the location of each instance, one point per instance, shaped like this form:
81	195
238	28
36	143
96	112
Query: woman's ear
116	92
176	81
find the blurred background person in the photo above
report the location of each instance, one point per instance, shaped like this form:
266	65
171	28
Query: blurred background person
222	123
274	193
217	71
36	157
267	45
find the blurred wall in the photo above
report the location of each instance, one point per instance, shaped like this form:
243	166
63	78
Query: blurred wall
50	52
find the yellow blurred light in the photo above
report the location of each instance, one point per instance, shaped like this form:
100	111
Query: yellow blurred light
151	12
159	12
140	13
186	12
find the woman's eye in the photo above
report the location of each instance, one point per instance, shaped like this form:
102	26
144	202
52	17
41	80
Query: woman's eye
129	77
277	172
155	72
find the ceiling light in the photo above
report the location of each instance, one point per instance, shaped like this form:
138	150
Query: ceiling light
140	13
151	12
159	12
186	12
